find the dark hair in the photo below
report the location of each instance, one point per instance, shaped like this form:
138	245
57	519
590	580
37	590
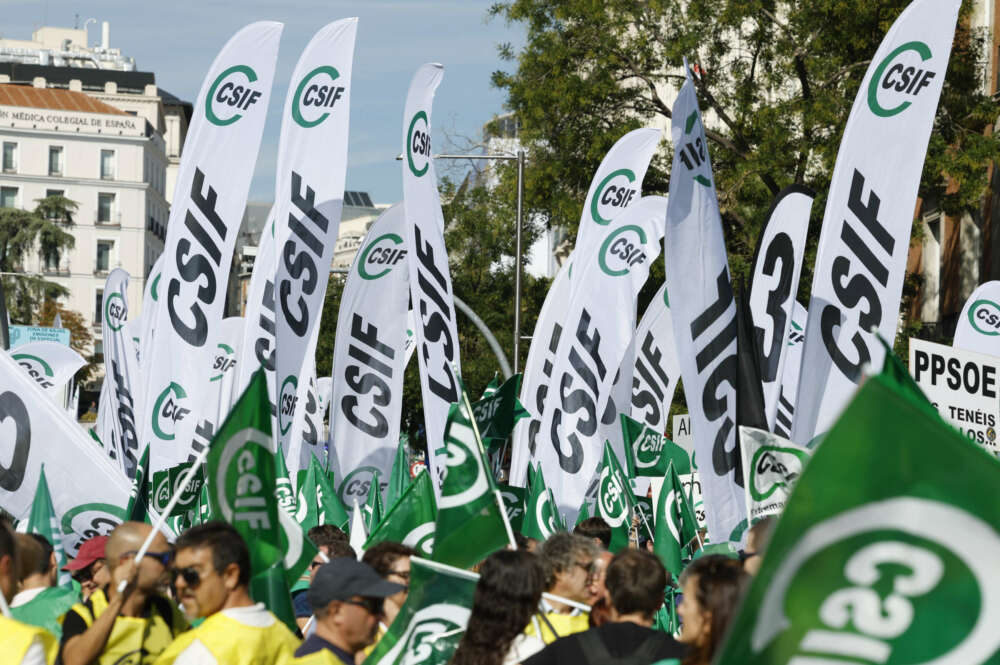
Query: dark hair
29	557
507	594
340	549
383	556
635	581
559	553
226	543
325	535
47	550
720	583
595	527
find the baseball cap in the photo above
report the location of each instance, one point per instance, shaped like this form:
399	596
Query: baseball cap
90	551
344	577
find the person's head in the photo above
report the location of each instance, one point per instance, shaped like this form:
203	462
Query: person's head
212	568
596	529
124	543
597	588
88	567
568	560
325	535
392	562
347	597
336	549
32	565
507	594
49	553
758	539
8	561
713	586
636	581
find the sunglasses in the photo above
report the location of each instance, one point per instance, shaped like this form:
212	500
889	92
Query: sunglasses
373	605
163	557
401	574
191	576
84	574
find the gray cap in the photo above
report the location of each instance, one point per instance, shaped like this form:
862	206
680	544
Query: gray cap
344	577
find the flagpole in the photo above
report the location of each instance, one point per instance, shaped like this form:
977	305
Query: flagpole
482	456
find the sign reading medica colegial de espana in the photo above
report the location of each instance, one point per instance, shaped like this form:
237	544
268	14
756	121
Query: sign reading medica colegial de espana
430	279
211	194
861	259
369	357
978	327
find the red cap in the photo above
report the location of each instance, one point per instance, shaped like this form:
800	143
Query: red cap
90	551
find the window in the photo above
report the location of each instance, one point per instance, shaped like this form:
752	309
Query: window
98	306
104	249
8	197
9	157
55	160
51	263
105	208
107	164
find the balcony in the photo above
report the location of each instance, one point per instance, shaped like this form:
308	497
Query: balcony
115	221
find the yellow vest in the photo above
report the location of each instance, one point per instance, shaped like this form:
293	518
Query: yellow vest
16	638
565	624
145	637
321	657
233	643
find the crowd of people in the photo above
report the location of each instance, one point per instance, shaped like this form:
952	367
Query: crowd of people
565	600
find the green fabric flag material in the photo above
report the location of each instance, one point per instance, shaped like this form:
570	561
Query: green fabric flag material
513	501
615	501
887	549
204	506
283	490
372	509
469	523
42	520
492	386
307	507
498	412
411	519
138	499
675	523
168	481
242	477
331	510
47	609
647	453
399	477
584	513
541	518
431	622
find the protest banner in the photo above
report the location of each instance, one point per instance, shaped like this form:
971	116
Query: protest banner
771	466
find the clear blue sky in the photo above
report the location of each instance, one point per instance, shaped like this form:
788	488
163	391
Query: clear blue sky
178	39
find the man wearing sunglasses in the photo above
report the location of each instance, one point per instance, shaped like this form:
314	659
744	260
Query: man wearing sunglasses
88	566
212	578
133	626
347	597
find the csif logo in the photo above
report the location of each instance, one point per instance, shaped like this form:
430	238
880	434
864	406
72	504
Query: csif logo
114	311
382	252
622	249
545	515
692	151
899	78
613	195
418	144
647	449
773	468
167	410
421	538
419	643
315	96
92	519
461	456
355	485
231	92
37	369
984	315
611	499
287	399
223	361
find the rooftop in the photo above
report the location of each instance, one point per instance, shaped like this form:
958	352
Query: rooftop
48	98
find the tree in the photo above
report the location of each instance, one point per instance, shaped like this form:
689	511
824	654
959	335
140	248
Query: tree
80	338
45	230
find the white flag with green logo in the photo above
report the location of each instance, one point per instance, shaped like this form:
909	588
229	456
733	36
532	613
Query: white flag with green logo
785	412
370	356
771	467
49	365
598	327
224	368
209	200
656	369
865	239
143	328
616	185
121	405
430	278
978	327
89	492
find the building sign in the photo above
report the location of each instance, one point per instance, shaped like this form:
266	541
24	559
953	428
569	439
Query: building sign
24	334
21	117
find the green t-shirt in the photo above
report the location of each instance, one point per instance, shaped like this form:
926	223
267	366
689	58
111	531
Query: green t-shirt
46	610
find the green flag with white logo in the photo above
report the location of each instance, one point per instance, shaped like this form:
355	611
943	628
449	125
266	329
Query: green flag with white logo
204	506
513	502
647	453
584	513
541	518
469	523
492	386
372	509
307	507
431	622
42	520
675	523
242	473
283	488
331	510
399	477
138	499
497	412
411	519
887	549
168	482
615	501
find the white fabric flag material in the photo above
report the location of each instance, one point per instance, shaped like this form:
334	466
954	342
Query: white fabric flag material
212	186
307	424
771	467
656	368
785	414
616	185
599	325
370	357
50	365
143	326
89	492
978	327
704	316
774	282
312	167
861	259
224	368
430	277
121	395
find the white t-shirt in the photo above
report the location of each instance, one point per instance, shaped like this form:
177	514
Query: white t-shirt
255	616
35	655
26	596
522	648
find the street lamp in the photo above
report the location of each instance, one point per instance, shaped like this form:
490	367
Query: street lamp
519	158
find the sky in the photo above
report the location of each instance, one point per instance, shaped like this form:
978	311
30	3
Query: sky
178	39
